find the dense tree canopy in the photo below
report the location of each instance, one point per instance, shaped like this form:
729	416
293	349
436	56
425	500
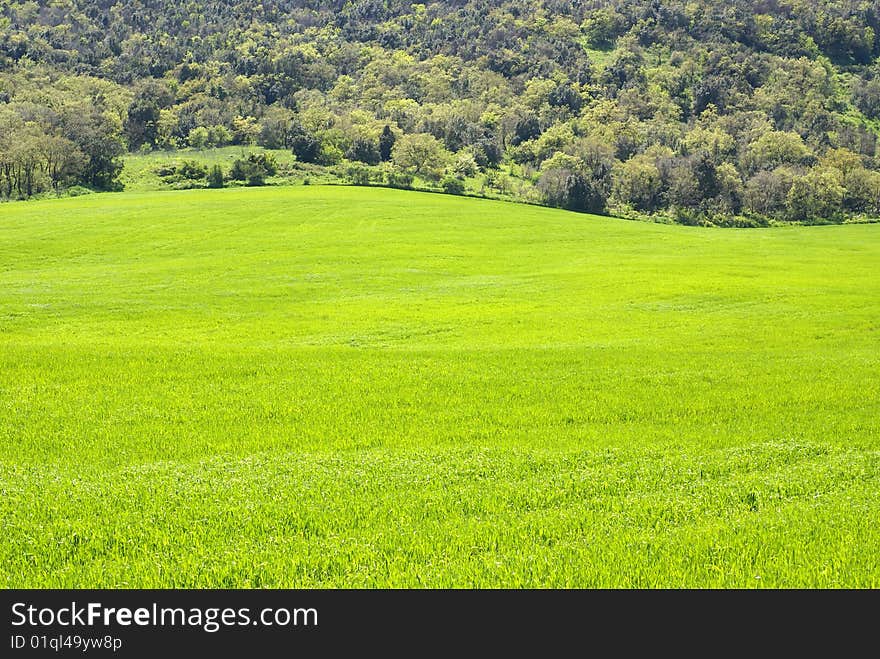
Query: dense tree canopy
699	111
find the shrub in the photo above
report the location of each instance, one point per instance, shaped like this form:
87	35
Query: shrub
78	191
304	144
398	179
573	190
185	184
191	170
330	154
357	174
165	170
254	169
364	150
266	161
187	171
215	177
452	185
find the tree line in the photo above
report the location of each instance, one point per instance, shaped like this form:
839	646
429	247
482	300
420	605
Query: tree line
710	112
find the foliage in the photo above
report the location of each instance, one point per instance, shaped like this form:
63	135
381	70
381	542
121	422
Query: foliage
698	102
357	175
421	154
452	185
254	169
386	143
215	177
398	179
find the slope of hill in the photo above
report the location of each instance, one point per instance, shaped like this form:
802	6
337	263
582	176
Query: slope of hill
335	386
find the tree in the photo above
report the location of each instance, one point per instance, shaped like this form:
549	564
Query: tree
26	157
275	128
566	96
766	193
98	140
199	138
765	90
682	188
862	190
465	164
637	183
364	149
706	175
571	189
602	27
142	120
487	152
776	148
422	154
816	197
386	143
866	95
304	144
245	130
843	160
63	161
730	189
215	177
527	128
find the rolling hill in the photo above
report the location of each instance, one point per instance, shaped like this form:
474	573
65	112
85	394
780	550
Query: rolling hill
342	387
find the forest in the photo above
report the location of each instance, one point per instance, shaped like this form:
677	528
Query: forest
732	112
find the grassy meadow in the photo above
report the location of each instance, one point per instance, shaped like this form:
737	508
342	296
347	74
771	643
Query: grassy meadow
328	386
140	171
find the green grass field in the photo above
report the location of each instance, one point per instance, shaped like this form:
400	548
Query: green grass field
350	387
139	173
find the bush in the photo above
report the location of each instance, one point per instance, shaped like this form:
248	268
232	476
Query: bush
330	155
304	145
185	172
78	191
452	185
357	174
398	179
688	216
573	190
165	170
364	150
740	221
191	170
254	169
215	177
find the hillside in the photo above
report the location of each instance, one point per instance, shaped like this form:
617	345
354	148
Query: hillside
724	112
341	387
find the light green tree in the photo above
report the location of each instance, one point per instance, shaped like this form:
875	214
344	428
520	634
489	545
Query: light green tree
817	196
637	183
421	154
199	137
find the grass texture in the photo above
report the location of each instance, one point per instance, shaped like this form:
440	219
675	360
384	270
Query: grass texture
348	387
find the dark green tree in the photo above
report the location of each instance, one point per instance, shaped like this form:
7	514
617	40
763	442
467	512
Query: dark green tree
386	143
